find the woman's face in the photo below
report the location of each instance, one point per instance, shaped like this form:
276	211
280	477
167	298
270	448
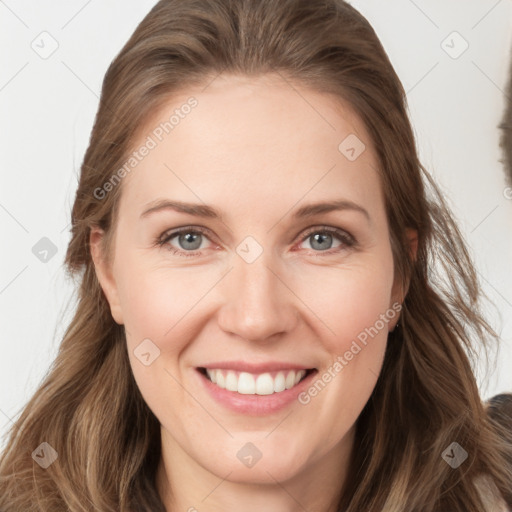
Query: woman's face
261	289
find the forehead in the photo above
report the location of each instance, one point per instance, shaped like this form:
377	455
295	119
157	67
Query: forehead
253	140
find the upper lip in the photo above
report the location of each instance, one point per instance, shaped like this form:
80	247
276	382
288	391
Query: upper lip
244	366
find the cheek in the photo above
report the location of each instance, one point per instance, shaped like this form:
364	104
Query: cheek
358	313
349	301
156	305
156	302
356	307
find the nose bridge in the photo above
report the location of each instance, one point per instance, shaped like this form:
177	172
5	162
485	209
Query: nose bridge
256	304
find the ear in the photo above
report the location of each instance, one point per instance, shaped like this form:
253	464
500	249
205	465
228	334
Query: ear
399	295
104	273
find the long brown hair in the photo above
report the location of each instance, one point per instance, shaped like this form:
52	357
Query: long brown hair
89	408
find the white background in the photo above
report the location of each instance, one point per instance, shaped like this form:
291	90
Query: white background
48	107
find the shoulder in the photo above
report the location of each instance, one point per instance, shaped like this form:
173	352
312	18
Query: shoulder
499	409
490	495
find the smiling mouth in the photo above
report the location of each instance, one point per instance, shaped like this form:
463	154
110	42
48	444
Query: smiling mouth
246	383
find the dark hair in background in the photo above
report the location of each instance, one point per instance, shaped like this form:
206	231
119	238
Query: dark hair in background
89	407
506	127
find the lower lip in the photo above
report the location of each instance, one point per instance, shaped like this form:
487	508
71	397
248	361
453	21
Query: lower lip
255	405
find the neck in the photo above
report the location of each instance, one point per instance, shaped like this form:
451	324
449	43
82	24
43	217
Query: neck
185	485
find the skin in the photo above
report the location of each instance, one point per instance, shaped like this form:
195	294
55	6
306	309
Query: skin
255	149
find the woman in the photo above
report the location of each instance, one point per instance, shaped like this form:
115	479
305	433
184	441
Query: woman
310	350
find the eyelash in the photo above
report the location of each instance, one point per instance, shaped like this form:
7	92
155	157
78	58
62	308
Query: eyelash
347	240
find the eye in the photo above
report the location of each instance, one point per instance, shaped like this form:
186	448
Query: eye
321	239
190	240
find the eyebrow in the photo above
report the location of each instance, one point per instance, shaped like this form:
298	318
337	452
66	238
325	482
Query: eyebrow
203	210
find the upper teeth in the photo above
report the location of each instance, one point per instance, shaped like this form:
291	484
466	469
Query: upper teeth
261	384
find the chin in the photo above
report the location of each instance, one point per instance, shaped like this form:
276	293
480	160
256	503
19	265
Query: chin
260	474
272	465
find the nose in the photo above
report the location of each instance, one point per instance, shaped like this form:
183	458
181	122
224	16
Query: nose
258	304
